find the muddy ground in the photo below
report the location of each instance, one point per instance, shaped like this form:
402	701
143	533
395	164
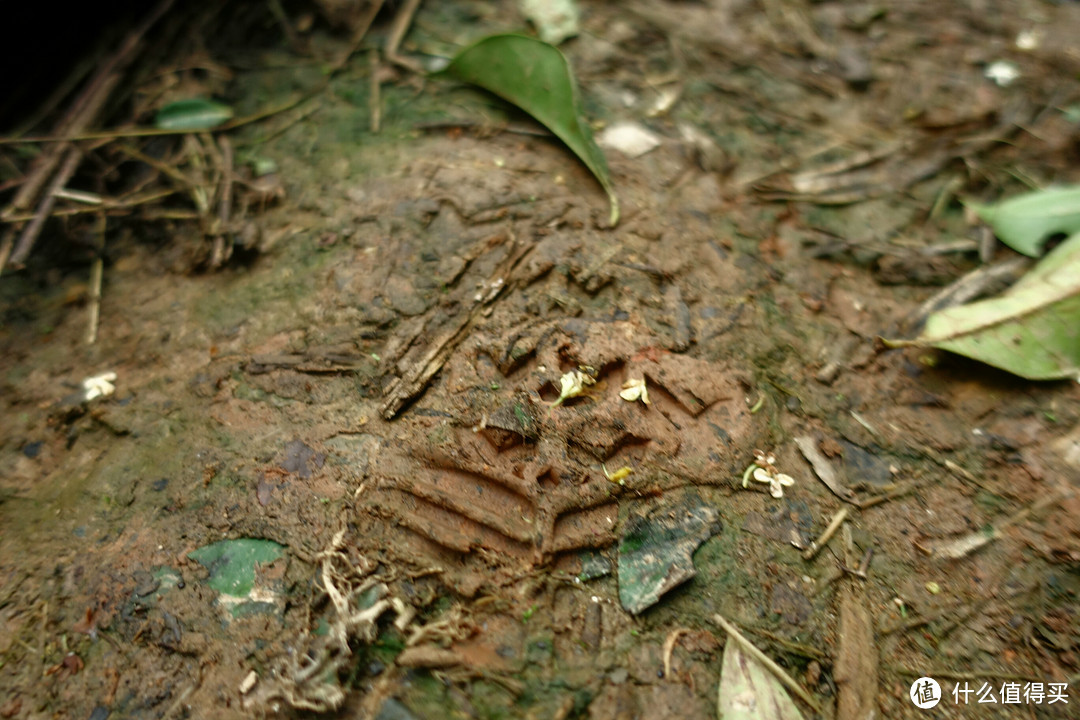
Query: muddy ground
373	388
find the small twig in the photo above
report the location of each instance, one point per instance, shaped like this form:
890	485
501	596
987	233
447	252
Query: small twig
82	113
108	204
161	166
300	115
970	286
958	548
96	271
196	152
833	526
864	565
359	32
11	183
898	490
33	229
80	196
44	631
956	469
375	102
865	423
220	253
768	662
402	21
962	472
6	244
791	648
669	647
156	132
170	214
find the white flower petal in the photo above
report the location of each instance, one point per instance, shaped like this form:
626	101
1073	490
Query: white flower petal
572	384
99	385
634	390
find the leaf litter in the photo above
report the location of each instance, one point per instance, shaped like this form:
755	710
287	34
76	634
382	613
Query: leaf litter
1031	330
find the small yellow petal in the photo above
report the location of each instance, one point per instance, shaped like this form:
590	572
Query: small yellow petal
619	475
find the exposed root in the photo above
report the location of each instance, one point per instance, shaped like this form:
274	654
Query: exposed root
308	678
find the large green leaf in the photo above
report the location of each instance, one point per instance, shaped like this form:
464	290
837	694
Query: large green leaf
1032	330
1025	221
536	77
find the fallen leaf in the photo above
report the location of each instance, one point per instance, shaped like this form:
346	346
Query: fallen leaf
656	552
235	570
194	115
750	692
537	78
631	139
1032	330
1025	221
555	20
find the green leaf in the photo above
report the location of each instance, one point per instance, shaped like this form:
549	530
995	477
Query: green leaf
1025	221
232	562
1032	330
750	692
193	115
656	552
536	77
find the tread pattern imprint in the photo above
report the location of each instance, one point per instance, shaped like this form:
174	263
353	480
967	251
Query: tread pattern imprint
483	479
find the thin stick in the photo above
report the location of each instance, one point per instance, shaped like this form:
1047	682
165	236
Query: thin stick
112	205
154	132
6	245
86	106
84	110
44	632
359	33
96	272
669	648
402	22
30	233
765	660
75	134
162	167
834	525
376	92
220	253
899	490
